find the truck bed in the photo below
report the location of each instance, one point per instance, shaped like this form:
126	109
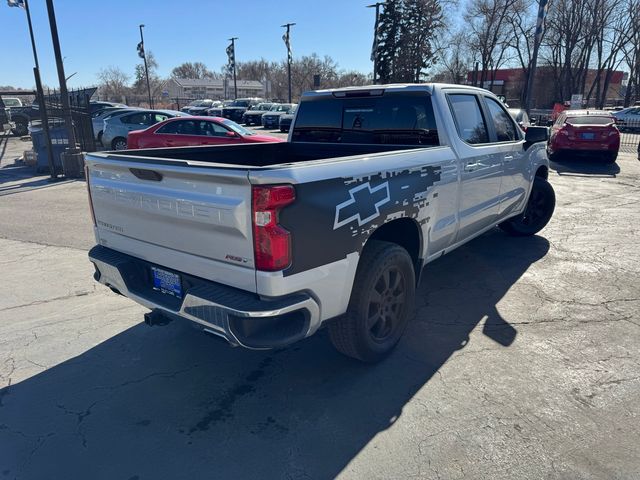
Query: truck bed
254	155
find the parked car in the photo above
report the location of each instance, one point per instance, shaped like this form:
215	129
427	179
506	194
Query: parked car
584	132
238	107
5	118
286	119
12	102
99	116
200	107
216	111
117	127
97	105
271	118
254	116
628	119
263	244
521	118
184	132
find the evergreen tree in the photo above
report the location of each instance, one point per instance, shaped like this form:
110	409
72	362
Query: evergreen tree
406	32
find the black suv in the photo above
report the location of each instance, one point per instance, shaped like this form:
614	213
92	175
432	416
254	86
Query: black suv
238	107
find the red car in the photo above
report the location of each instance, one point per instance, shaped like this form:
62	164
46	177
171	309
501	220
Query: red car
190	131
584	131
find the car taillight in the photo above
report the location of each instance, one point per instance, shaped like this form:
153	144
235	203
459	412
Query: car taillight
271	242
86	177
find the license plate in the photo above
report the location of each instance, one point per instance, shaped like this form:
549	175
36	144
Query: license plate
588	136
166	282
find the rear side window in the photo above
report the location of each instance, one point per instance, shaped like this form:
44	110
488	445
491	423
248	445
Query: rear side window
502	122
468	116
390	119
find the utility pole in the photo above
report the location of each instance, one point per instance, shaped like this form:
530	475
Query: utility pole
44	118
531	74
374	48
64	94
287	41
143	53
233	65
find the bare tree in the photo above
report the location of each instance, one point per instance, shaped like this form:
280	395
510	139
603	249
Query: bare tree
488	22
192	70
113	83
631	52
454	58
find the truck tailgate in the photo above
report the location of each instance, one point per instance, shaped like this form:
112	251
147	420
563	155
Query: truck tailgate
174	213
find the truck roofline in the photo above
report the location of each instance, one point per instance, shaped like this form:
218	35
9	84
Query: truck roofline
396	87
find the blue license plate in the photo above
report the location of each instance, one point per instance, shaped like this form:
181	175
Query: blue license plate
166	282
588	136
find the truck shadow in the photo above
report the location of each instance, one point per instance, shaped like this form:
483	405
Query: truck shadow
170	402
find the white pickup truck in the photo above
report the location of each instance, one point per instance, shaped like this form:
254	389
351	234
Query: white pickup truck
264	244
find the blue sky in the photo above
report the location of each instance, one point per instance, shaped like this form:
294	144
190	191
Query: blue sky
99	33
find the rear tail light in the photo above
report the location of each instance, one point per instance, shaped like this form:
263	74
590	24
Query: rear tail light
271	242
86	177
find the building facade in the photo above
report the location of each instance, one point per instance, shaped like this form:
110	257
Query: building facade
212	88
511	82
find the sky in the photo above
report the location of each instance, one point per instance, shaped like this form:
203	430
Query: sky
95	34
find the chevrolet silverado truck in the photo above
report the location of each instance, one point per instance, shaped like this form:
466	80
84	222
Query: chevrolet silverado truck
264	244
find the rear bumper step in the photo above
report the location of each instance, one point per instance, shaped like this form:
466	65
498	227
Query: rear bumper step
241	317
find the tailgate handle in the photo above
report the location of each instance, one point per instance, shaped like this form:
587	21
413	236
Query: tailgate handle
143	174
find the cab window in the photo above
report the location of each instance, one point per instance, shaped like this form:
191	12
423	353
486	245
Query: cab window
468	117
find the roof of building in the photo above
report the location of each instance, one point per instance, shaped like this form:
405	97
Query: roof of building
213	82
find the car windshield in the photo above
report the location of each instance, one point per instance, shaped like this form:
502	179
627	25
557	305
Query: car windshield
11	102
590	120
240	103
264	106
201	103
281	108
237	128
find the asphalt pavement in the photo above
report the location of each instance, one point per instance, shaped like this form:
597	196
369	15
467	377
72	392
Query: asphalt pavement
522	361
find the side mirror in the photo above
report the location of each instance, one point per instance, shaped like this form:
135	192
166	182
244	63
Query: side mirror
536	134
231	134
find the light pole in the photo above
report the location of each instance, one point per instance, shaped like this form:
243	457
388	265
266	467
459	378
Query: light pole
374	48
233	65
64	94
542	11
287	40
146	68
44	118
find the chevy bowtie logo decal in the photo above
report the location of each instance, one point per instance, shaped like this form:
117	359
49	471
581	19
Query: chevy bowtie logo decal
363	205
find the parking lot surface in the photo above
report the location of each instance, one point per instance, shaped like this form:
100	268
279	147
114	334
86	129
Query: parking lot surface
522	361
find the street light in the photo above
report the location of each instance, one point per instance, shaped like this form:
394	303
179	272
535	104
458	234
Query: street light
36	73
142	53
287	40
374	48
232	57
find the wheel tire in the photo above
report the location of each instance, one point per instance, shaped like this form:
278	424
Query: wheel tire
611	157
538	212
119	143
385	282
21	129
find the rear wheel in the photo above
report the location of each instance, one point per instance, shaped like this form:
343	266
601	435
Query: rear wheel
22	129
381	304
538	212
119	143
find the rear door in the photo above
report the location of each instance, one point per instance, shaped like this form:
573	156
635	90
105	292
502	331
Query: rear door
481	164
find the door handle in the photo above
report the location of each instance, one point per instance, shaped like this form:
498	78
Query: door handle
508	158
470	167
